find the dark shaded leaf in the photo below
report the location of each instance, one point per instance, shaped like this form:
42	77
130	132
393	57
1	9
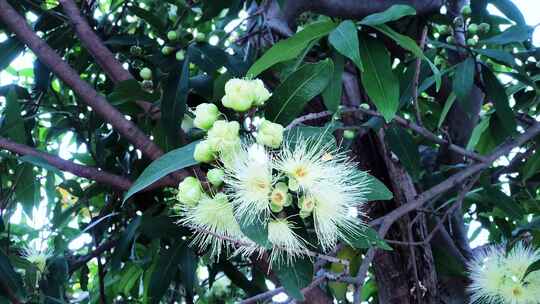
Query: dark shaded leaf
512	34
292	47
165	270
377	190
332	94
402	143
464	80
395	12
344	38
124	243
497	94
290	98
130	90
168	163
9	50
381	84
294	277
173	102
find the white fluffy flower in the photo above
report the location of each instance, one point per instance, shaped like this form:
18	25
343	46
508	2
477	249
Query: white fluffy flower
331	180
286	244
38	258
249	180
498	277
215	222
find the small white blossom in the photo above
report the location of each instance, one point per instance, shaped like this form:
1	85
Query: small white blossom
286	244
499	278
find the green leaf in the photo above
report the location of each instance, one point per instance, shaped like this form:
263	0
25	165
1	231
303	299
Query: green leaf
13	124
256	231
290	98
55	281
9	50
173	102
157	22
332	94
292	47
377	190
211	58
40	162
123	244
498	55
166	268
188	270
393	13
506	203
130	90
175	160
531	167
515	33
478	131
294	277
497	94
410	45
464	80
381	84
532	268
447	106
402	143
344	39
27	188
362	237
511	11
9	277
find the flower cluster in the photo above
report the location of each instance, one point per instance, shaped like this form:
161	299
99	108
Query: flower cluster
38	258
259	178
500	277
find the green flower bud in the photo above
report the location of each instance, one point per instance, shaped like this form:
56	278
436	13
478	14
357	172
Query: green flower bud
147	85
146	74
438	60
260	93
172	35
167	50
306	203
349	134
293	184
215	176
270	134
444	29
471	41
221	197
224	136
364	106
200	37
189	191
238	95
458	22
473	28
466	10
205	115
180	55
484	27
280	197
450	40
204	152
187	123
135	50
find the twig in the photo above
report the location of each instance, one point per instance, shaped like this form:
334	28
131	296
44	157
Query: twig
416	78
116	181
399	120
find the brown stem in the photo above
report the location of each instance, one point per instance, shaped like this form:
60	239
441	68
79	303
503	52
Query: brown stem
416	78
97	102
116	181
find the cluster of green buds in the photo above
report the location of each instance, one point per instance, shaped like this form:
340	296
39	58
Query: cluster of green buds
473	29
242	94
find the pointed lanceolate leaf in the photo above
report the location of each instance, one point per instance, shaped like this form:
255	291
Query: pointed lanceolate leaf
165	270
333	92
497	94
381	84
395	12
294	277
344	39
464	80
175	160
290	98
517	33
377	190
402	144
173	103
292	47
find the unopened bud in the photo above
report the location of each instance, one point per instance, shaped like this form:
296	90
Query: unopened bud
172	35
189	191
146	74
473	28
167	50
203	152
270	134
180	55
466	10
224	136
205	115
215	176
484	27
260	93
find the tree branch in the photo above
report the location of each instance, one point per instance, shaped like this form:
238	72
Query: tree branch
103	56
97	102
115	181
442	187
